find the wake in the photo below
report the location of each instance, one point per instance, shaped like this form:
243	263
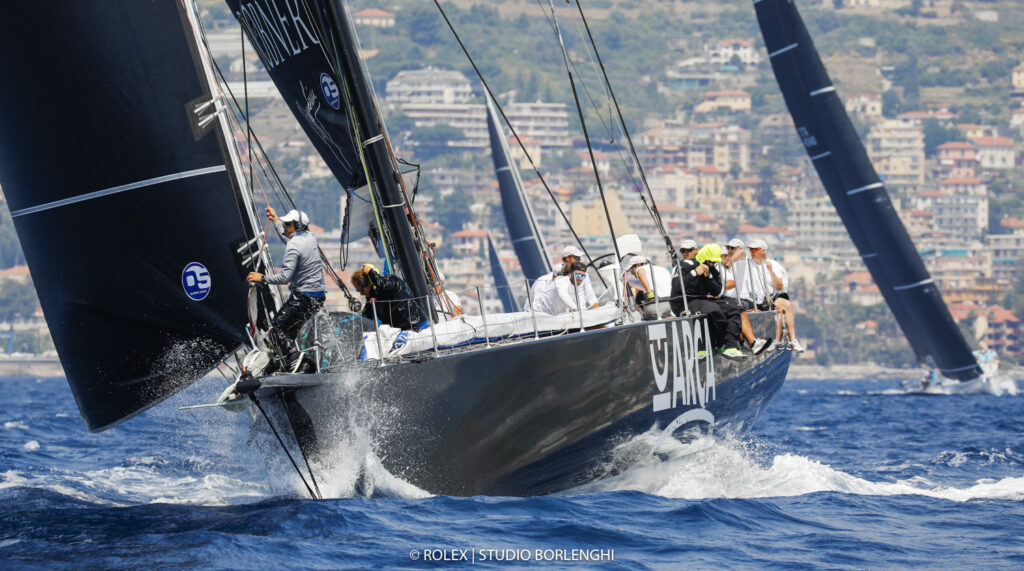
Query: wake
709	467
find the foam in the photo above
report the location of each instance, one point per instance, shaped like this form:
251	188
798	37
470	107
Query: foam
712	468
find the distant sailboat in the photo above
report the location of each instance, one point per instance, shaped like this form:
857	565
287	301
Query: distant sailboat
858	193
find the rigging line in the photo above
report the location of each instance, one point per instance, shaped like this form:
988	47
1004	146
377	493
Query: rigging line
652	208
277	184
283	447
357	139
312	478
629	139
248	127
586	136
202	45
526	153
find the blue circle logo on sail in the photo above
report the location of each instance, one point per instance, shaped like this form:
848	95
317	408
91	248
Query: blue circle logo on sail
331	94
196	281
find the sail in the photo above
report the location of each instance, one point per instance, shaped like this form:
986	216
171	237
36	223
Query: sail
288	37
858	194
522	227
128	213
508	301
313	43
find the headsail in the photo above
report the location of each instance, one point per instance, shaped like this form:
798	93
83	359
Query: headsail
115	164
857	192
522	227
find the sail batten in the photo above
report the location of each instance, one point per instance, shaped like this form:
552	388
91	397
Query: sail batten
859	196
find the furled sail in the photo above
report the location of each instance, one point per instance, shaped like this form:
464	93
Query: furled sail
115	165
858	194
508	301
522	227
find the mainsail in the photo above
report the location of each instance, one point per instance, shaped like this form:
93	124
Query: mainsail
858	194
310	50
116	165
522	227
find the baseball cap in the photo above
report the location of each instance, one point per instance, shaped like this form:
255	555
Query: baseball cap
638	260
735	243
295	216
758	244
572	251
687	245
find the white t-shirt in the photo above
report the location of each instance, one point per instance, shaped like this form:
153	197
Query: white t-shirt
566	298
544	295
761	275
738	274
662	280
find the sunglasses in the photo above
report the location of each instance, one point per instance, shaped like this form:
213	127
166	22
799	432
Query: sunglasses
580	276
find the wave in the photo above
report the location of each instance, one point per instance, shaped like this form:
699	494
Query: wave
709	467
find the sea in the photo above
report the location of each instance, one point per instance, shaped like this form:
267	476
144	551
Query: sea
835	474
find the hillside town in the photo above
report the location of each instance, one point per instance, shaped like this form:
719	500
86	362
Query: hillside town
720	157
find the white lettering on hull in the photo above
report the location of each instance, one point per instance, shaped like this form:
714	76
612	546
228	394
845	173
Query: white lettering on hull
674	344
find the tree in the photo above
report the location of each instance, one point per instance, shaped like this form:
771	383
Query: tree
892	105
17	301
433	141
935	134
452	211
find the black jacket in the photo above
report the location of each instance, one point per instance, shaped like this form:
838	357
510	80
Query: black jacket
395	306
697	287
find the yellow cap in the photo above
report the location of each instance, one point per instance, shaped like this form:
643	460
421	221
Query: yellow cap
710	253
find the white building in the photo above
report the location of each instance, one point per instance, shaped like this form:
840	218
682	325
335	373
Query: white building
995	152
722	52
430	85
963	216
547	123
896	147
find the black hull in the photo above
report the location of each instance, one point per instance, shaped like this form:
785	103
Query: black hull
540	416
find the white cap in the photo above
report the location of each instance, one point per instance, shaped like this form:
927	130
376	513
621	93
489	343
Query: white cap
295	216
735	243
687	245
758	244
571	251
637	260
440	277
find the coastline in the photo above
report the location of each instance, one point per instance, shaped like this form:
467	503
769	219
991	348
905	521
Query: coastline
872	371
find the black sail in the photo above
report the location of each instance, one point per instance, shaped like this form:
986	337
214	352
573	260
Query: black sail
287	36
522	227
508	300
124	204
858	194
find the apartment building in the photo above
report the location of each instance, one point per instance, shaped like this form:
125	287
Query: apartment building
896	147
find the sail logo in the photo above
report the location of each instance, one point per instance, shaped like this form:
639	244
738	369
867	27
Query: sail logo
196	281
330	89
674	347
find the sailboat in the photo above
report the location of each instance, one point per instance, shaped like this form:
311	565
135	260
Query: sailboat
859	195
140	243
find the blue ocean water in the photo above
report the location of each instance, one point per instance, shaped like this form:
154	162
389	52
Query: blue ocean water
836	474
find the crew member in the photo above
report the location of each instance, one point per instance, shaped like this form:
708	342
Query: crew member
577	279
703	283
771	289
652	284
391	297
303	272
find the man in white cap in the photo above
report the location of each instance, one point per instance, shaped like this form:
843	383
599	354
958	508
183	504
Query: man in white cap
737	288
303	272
652	284
770	286
543	292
